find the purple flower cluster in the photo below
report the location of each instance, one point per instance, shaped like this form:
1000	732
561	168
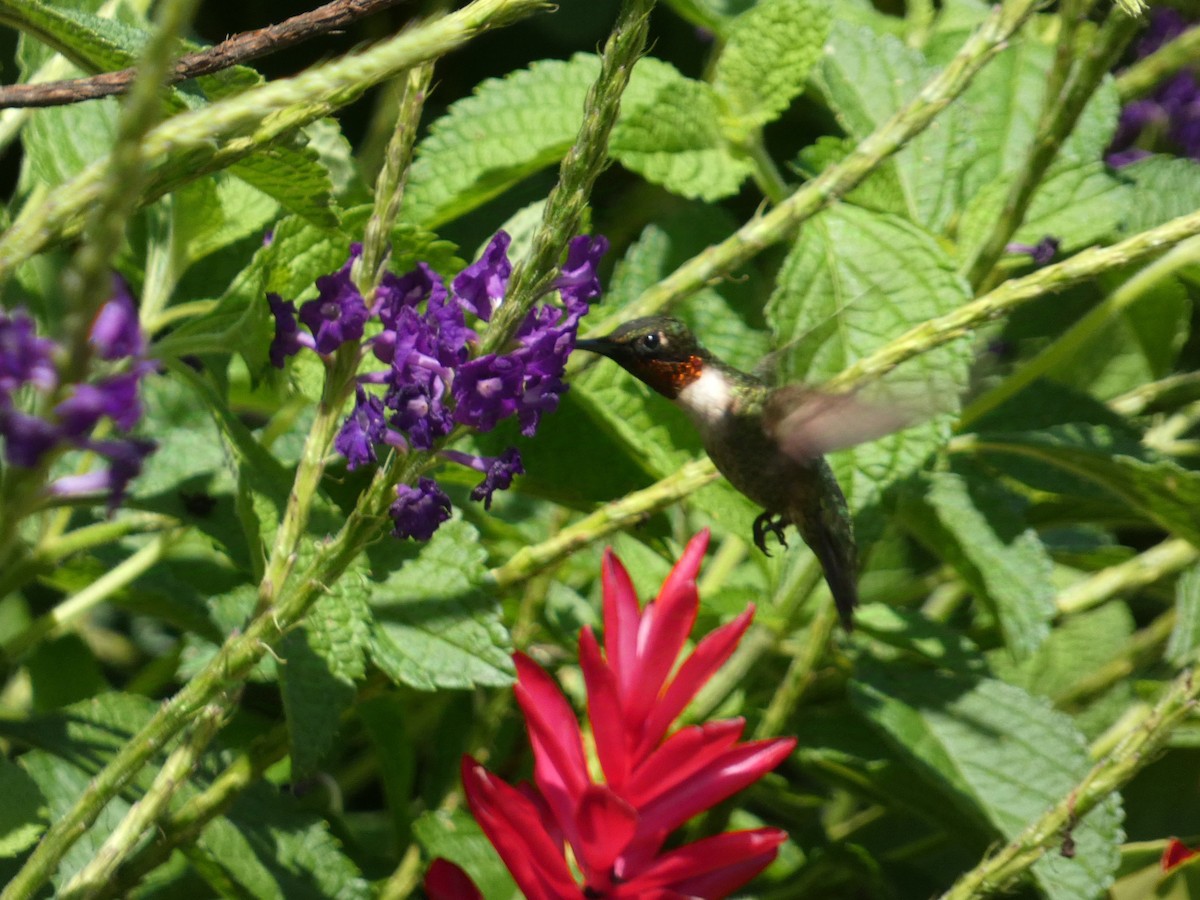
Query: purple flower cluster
432	380
26	362
1167	119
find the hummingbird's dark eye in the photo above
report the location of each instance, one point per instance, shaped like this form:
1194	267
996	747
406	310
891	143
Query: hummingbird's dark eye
651	341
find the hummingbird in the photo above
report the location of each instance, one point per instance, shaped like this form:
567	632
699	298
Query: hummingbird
769	442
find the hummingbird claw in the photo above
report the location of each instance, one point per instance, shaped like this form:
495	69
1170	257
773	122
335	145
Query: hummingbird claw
774	523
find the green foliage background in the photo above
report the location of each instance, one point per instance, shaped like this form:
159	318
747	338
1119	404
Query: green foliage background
1031	549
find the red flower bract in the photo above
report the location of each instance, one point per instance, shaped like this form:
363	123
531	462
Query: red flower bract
653	782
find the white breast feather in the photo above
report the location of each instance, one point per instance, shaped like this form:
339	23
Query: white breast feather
707	398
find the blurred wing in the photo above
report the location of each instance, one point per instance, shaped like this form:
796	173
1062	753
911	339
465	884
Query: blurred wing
806	423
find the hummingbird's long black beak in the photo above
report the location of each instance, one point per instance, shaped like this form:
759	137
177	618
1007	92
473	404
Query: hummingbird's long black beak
603	346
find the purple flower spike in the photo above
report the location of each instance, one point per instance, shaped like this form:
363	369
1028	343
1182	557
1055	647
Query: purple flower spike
26	438
116	333
364	428
579	282
418	511
288	340
24	357
487	390
480	286
338	314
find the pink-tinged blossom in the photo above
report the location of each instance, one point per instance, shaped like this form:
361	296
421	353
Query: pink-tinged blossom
653	782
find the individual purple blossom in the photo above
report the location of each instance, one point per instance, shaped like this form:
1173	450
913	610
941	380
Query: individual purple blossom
578	283
480	287
363	428
499	471
542	394
115	397
488	389
1041	252
420	412
116	333
338	314
288	338
419	510
125	459
499	475
24	357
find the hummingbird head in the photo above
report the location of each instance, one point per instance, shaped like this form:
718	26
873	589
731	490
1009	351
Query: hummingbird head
658	350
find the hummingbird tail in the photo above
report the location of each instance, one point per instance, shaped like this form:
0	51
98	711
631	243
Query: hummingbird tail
828	531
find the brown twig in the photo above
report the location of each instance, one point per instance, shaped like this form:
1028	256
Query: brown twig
230	52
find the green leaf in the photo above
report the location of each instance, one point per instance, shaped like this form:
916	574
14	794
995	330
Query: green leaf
768	54
456	836
979	527
269	847
998	753
1141	343
1078	203
23	812
1163	188
507	130
1161	490
434	626
675	140
324	659
866	77
853	280
1183	648
214	212
292	174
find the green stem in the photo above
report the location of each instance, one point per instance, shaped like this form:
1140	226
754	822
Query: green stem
799	676
1001	869
614	516
1011	295
339	381
1143	648
184	826
1059	116
1171	556
1145	74
834	182
1056	356
389	186
766	174
93	877
533	276
88	283
95	593
198	142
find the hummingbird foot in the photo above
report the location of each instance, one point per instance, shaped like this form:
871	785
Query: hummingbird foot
773	523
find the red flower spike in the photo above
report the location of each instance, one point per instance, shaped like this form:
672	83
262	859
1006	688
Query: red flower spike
653	783
446	881
1176	853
